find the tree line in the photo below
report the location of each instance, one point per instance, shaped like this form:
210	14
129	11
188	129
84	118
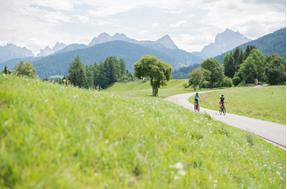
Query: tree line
240	67
98	76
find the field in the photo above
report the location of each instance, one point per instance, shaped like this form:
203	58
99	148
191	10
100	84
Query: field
266	103
143	88
53	136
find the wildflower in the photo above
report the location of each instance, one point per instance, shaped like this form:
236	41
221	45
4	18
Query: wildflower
178	165
176	177
181	172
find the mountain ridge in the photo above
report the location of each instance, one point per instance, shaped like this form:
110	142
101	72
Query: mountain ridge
271	43
58	64
10	51
224	41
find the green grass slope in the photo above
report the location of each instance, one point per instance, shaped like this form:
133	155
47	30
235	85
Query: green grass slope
266	103
143	88
53	136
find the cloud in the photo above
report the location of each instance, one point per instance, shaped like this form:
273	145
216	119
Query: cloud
179	23
191	23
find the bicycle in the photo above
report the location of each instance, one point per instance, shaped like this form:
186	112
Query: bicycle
196	106
222	109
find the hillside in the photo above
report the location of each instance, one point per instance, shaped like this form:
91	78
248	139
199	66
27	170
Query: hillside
58	64
54	136
273	43
184	72
143	88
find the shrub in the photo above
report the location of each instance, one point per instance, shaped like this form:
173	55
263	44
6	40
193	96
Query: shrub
25	69
227	82
236	80
205	84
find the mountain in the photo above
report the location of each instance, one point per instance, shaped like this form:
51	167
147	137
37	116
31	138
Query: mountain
164	41
71	47
273	43
58	63
11	51
184	72
48	51
167	42
224	41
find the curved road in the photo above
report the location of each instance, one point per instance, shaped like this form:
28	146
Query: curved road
272	132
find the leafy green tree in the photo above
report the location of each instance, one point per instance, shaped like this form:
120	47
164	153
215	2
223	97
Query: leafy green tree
216	72
229	65
25	69
275	70
259	61
155	69
227	82
236	79
248	70
248	50
196	78
77	73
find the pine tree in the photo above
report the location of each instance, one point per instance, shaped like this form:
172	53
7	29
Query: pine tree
77	73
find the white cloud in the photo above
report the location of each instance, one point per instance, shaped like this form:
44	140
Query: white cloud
191	23
179	23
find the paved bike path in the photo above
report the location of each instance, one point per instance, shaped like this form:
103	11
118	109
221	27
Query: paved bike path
272	132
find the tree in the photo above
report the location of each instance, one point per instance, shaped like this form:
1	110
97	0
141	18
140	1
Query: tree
275	70
248	70
238	58
109	72
77	73
90	76
5	70
236	79
216	72
229	65
196	78
155	69
248	50
259	61
227	82
25	69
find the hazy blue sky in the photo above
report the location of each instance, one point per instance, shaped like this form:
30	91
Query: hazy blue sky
190	23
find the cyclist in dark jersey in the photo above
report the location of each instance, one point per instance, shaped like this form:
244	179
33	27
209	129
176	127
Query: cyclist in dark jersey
221	105
196	102
221	99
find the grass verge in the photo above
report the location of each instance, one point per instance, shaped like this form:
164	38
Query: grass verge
266	103
53	136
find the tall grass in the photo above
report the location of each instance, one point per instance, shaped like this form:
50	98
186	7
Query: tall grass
53	136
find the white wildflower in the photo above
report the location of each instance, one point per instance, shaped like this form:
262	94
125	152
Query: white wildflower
178	165
181	172
176	177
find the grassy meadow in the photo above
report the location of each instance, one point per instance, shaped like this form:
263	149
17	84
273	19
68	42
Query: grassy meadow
143	88
266	103
52	136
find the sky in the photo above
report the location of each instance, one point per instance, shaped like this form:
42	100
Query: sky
192	24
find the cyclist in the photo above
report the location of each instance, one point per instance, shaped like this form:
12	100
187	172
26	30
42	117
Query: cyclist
221	104
196	102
